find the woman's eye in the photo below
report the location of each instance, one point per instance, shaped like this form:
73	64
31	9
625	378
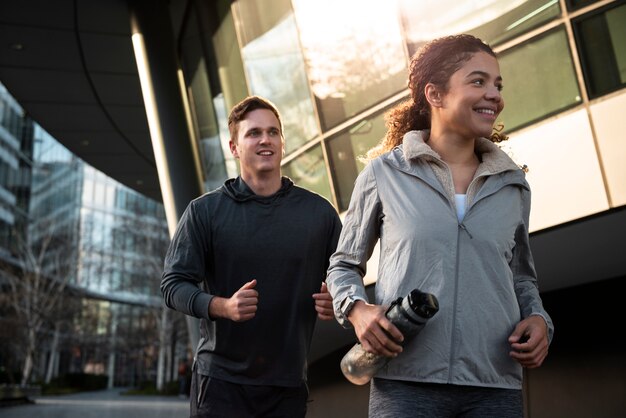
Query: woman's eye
478	82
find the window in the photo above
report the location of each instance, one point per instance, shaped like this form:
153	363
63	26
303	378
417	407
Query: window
601	39
309	171
354	54
201	89
227	56
493	21
520	19
539	80
275	66
577	4
344	151
231	75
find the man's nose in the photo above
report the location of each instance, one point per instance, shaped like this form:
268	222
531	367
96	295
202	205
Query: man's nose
265	137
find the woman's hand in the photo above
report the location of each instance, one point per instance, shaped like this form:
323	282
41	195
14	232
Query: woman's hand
529	342
375	332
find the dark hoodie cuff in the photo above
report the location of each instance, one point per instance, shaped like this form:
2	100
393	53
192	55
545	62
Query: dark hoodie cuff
201	306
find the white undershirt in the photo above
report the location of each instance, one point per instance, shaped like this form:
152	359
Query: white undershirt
459	200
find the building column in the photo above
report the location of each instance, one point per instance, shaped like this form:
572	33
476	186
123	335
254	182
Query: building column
175	152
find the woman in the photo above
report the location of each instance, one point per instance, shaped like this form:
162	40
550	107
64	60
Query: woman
451	211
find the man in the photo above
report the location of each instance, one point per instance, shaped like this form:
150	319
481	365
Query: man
258	247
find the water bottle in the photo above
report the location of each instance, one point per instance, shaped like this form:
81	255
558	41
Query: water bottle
409	315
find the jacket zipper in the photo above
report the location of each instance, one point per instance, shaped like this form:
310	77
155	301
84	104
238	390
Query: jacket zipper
456	294
464	228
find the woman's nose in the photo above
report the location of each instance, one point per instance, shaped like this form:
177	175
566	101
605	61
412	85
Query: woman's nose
494	93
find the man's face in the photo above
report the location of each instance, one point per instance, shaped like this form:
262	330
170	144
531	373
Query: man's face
259	146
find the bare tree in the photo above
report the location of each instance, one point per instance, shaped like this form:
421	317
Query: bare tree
34	291
143	241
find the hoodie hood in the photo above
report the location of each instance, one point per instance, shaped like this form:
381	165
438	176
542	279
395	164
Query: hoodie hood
238	190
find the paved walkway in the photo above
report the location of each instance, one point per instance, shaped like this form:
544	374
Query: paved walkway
100	404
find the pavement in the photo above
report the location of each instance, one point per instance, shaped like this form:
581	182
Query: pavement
101	404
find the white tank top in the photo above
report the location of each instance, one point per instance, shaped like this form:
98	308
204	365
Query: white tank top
459	200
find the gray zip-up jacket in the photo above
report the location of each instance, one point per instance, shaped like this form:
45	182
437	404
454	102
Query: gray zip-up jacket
481	269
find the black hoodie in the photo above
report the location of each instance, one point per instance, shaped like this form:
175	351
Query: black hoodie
230	236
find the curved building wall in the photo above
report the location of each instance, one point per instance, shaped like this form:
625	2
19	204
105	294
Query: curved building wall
105	242
334	69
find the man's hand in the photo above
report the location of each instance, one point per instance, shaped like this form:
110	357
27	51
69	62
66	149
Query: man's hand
241	306
529	342
324	304
375	332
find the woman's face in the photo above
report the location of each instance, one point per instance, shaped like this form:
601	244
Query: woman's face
473	101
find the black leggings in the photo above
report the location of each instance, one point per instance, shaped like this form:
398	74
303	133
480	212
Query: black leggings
398	399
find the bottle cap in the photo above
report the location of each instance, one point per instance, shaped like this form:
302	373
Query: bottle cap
423	304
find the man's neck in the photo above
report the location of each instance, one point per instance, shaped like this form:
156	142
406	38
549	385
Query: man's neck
263	185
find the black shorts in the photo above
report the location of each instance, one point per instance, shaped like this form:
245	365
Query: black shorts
215	398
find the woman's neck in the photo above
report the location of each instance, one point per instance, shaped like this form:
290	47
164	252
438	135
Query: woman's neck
454	150
458	153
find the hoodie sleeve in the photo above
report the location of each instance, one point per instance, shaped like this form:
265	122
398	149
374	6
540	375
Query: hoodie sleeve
185	266
524	274
359	235
333	234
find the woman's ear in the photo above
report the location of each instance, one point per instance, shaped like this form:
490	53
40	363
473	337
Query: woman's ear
433	95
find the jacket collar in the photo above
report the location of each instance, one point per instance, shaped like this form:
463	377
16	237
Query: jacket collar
493	159
417	158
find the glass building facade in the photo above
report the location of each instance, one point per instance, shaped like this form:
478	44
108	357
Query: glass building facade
16	143
334	68
106	243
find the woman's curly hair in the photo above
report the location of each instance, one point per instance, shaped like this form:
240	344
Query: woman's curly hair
434	62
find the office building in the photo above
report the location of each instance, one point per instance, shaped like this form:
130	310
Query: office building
141	89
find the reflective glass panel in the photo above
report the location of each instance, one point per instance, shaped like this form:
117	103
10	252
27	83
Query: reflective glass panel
354	53
228	56
601	39
345	150
200	92
309	171
274	65
493	21
577	4
232	167
232	79
539	80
